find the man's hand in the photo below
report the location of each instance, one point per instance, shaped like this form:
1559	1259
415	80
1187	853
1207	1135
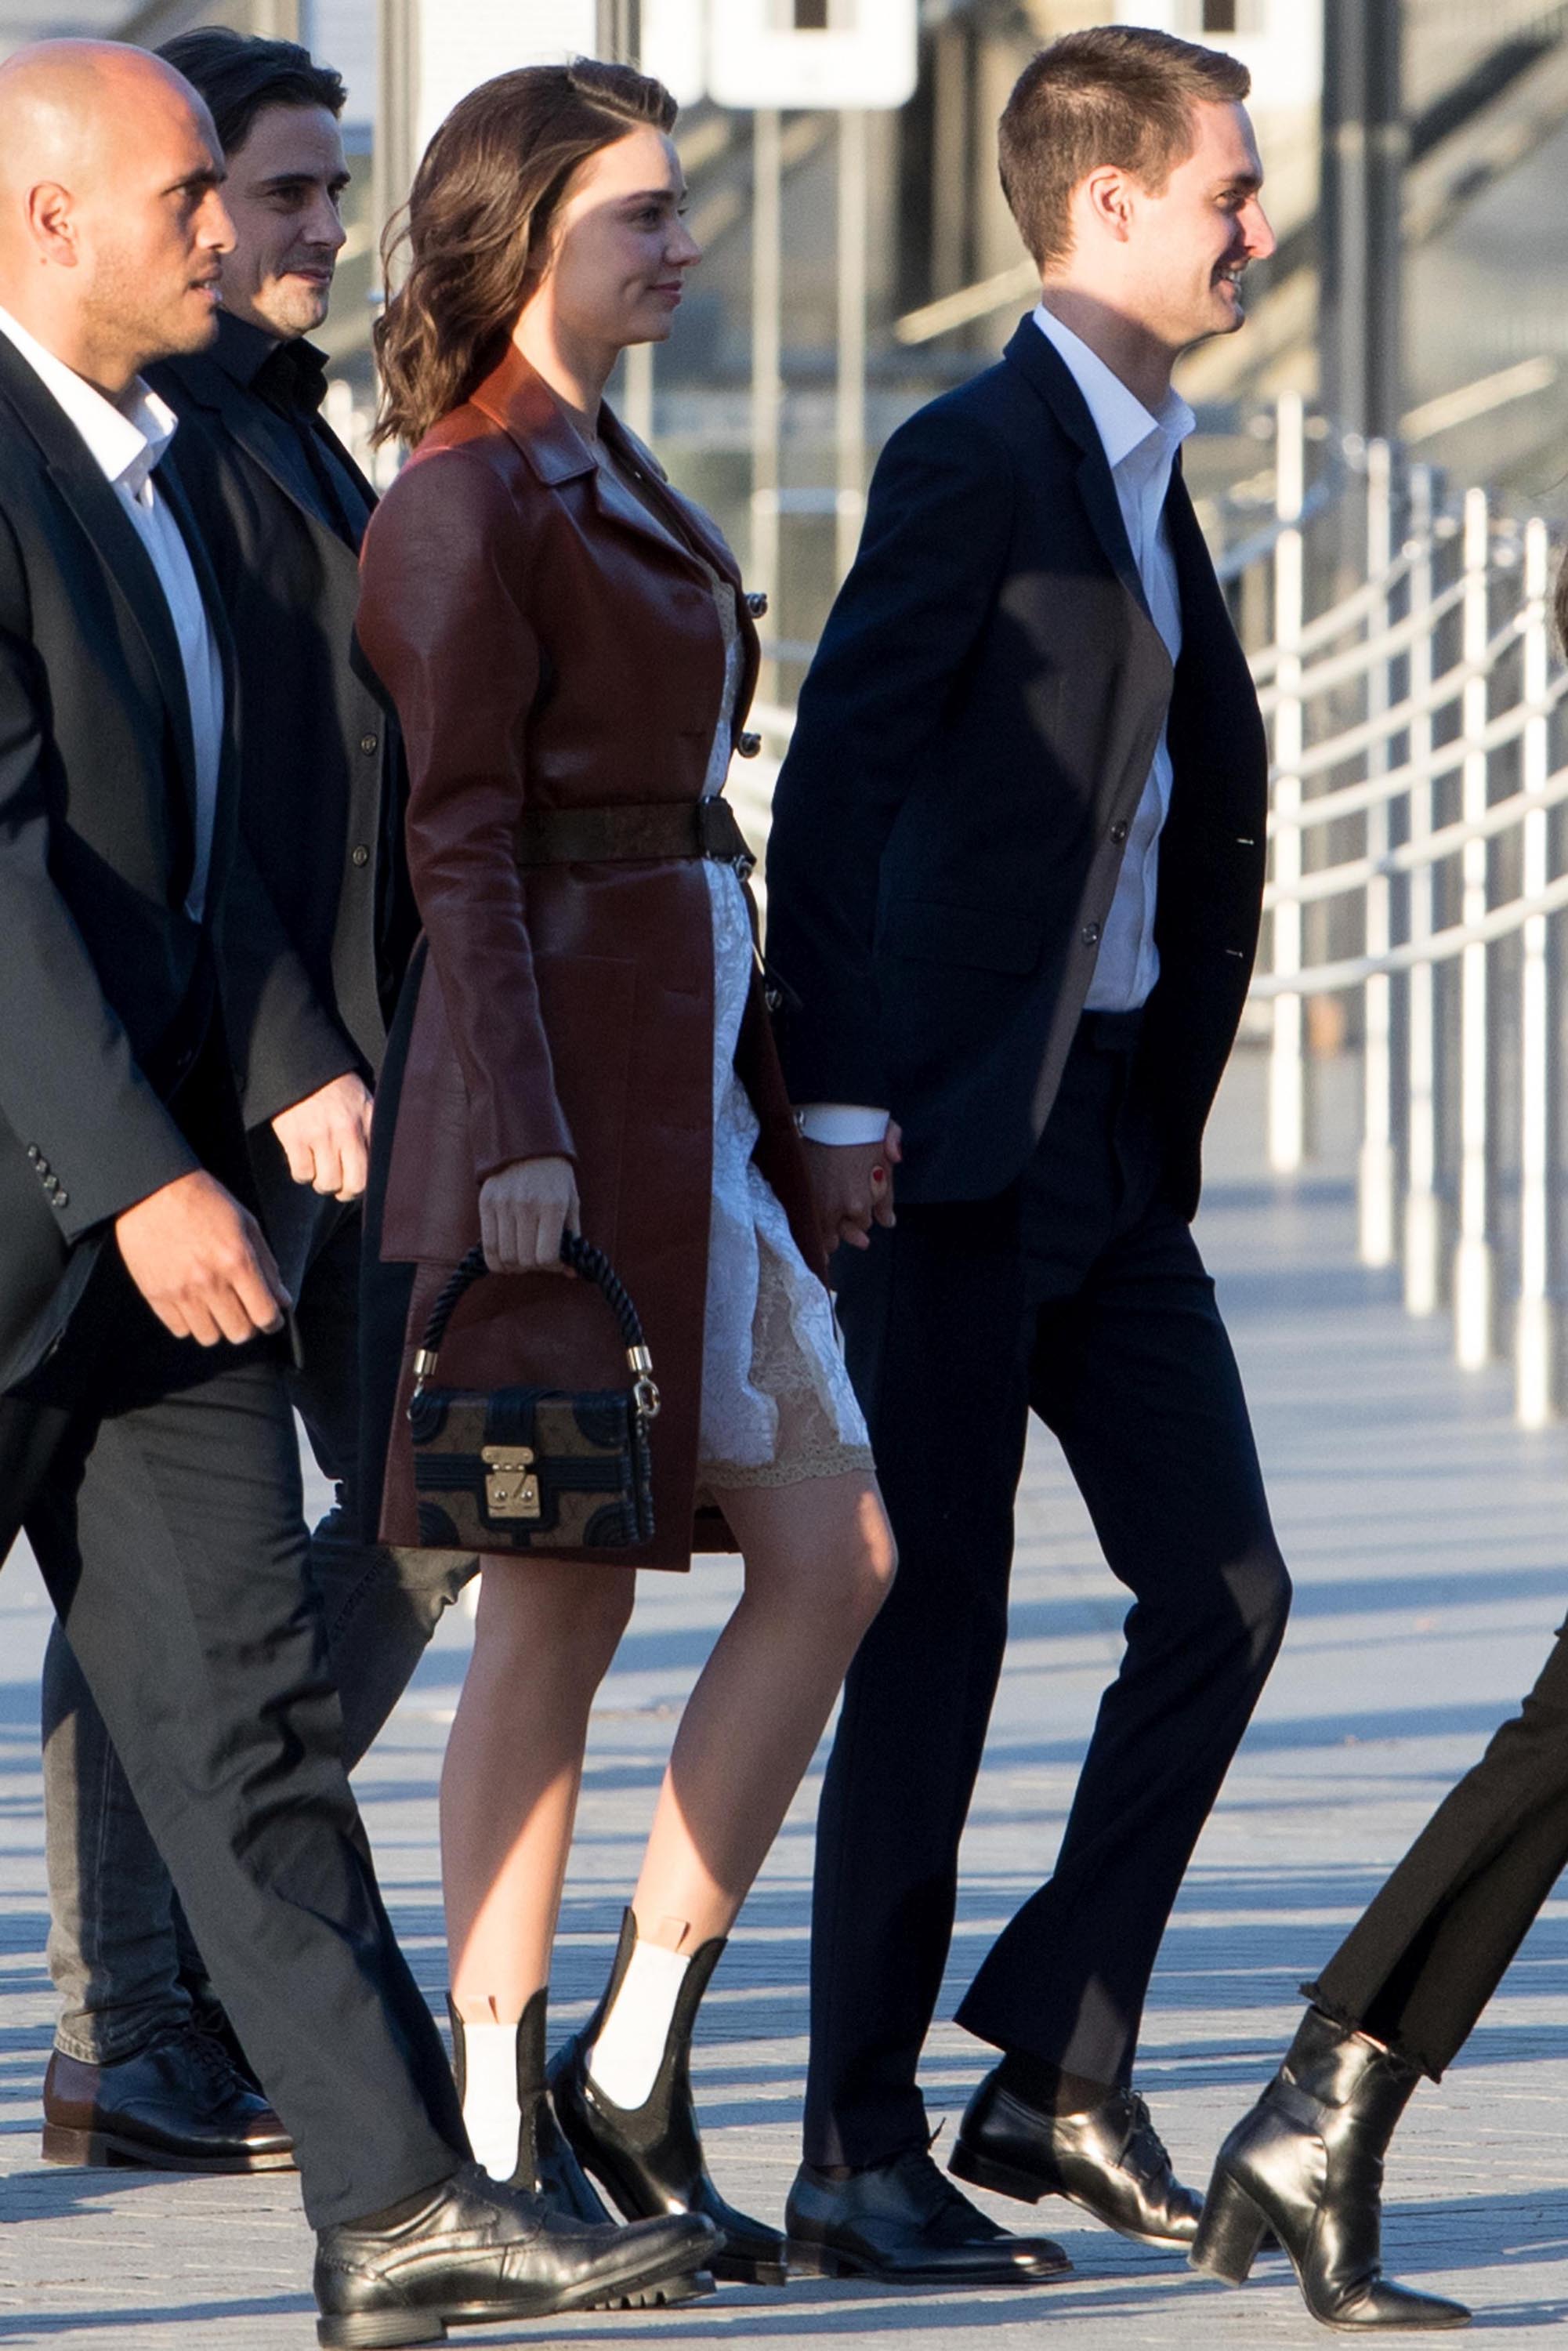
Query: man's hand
523	1211
853	1184
325	1138
202	1262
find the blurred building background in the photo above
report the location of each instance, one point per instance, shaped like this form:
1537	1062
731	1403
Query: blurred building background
1472	153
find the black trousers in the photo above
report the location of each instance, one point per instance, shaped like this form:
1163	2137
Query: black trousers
168	1527
1078	1295
1423	1960
120	1952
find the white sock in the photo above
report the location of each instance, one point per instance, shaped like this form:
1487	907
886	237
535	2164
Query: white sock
625	2059
490	2113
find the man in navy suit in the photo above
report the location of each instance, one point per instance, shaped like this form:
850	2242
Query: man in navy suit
1014	890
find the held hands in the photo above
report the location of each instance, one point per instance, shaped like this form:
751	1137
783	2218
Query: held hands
325	1138
202	1262
852	1184
523	1211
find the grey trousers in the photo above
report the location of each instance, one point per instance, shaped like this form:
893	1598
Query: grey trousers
120	1955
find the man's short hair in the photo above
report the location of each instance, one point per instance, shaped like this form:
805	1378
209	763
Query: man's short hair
240	75
1116	94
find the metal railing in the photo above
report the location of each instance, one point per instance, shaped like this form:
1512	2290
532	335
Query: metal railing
1419	870
1416	878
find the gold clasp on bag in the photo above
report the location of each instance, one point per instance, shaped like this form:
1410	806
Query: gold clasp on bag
511	1489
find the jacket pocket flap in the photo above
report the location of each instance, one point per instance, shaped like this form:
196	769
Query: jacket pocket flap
990	938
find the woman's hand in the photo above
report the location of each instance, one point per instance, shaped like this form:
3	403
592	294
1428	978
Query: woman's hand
523	1211
852	1185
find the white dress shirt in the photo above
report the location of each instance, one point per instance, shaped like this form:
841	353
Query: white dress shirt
126	442
1140	450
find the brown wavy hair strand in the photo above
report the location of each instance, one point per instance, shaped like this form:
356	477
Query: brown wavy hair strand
478	219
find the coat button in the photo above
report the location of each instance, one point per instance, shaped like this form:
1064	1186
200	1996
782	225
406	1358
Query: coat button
749	745
33	1153
51	1183
62	1199
369	743
361	855
1118	834
1091	935
756	603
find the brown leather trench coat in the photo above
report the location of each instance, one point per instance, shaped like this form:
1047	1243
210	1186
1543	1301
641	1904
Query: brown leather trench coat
545	645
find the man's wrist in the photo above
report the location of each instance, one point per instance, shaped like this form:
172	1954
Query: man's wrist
840	1123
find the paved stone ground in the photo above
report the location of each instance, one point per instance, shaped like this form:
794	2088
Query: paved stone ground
1428	1539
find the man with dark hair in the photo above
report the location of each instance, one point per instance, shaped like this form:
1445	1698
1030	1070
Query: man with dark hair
135	2076
146	1444
1014	888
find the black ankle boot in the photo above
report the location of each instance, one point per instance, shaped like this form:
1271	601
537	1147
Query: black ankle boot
649	2159
545	2167
1307	2161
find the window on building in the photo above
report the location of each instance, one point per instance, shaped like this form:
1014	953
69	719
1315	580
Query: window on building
1222	15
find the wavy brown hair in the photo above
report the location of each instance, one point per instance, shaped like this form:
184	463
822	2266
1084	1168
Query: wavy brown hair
478	221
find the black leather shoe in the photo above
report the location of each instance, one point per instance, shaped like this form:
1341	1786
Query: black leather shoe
545	2167
1110	2161
176	2105
649	2159
905	2222
473	2253
1307	2161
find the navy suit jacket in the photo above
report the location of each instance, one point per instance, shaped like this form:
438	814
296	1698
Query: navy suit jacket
972	743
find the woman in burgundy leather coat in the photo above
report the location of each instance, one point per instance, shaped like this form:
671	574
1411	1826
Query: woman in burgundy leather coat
584	1045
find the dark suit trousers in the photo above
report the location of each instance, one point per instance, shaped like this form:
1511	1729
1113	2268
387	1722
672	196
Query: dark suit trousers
1078	1295
121	1958
1422	1962
169	1531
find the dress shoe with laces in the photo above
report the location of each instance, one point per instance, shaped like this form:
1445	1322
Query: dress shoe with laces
906	2222
1111	2161
473	2253
179	2105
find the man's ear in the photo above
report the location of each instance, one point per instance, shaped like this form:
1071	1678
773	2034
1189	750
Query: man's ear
1108	195
51	222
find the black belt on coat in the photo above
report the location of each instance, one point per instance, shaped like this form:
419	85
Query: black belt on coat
635	833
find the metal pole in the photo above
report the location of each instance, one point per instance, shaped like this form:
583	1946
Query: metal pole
1376	1186
1423	1218
1363	164
853	296
1287	1098
1534	1334
1474	1302
766	381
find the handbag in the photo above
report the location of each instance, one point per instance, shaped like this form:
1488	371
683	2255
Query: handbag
549	1469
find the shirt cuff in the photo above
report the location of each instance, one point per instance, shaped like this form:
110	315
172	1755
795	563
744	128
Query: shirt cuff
841	1122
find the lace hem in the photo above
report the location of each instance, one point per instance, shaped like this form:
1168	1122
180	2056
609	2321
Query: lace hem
822	1461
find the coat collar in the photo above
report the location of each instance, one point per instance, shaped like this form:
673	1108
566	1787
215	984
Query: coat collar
514	396
222	382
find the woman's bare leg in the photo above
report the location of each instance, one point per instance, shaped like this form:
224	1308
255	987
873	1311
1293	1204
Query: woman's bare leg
543	1641
819	1562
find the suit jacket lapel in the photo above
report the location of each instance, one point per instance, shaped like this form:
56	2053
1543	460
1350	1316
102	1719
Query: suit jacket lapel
1052	380
113	535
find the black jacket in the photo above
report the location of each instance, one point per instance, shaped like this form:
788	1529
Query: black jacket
972	743
105	981
321	764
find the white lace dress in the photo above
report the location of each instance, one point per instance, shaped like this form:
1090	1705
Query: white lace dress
777	1403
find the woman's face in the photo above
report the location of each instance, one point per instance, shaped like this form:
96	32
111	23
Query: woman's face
620	250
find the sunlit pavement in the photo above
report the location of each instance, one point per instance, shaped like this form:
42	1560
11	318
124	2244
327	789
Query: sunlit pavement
1430	1542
